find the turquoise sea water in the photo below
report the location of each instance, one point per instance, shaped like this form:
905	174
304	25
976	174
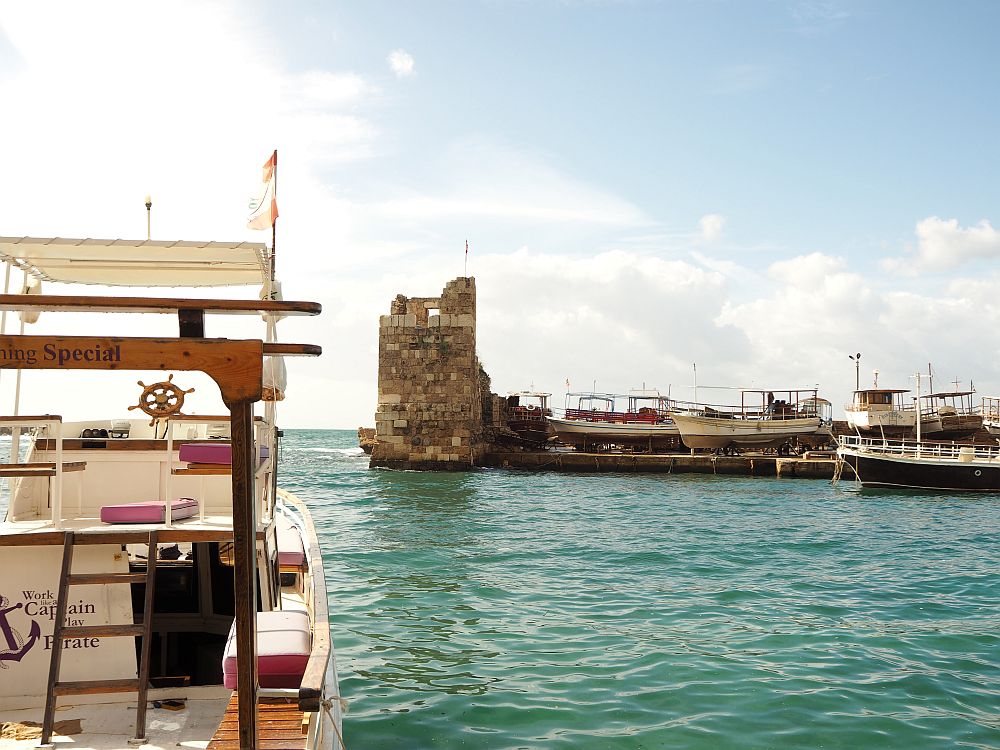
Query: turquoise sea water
512	609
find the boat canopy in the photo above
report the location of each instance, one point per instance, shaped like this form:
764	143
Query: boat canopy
140	263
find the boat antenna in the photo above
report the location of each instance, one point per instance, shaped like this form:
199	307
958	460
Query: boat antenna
918	414
149	206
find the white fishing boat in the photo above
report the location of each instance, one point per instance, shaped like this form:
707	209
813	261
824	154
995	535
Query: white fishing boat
884	413
156	587
759	421
594	422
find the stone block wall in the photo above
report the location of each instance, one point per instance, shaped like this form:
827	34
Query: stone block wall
430	383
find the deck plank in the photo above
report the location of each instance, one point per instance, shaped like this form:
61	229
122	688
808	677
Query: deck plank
279	727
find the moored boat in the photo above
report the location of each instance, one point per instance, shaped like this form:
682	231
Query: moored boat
881	412
594	422
884	413
528	414
760	421
949	415
917	465
156	586
990	413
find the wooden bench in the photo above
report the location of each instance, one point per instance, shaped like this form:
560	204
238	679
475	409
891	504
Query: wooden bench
44	469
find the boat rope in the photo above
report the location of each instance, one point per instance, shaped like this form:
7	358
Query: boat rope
327	705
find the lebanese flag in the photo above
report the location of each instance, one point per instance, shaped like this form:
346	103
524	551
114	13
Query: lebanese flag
266	212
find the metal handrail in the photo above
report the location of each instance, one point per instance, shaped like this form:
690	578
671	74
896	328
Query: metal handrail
922	449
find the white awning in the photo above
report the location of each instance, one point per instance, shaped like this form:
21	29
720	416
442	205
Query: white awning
142	263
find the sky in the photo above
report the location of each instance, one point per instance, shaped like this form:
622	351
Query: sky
757	189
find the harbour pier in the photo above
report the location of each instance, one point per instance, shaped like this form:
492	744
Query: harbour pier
663	463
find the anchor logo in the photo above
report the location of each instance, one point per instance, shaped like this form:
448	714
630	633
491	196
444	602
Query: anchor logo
16	646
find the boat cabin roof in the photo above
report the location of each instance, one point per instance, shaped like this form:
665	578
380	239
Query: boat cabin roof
142	263
949	394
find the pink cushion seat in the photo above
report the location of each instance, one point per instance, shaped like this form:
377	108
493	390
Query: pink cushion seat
284	641
206	453
153	511
291	551
210	453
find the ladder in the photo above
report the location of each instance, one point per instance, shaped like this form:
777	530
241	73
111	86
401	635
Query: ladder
62	632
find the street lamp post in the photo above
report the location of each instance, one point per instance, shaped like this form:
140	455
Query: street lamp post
149	205
857	370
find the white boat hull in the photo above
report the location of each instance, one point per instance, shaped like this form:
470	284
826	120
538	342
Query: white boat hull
715	432
581	432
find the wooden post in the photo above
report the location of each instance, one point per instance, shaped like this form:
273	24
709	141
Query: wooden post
245	568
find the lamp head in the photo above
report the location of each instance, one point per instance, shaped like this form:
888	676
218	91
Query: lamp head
149	202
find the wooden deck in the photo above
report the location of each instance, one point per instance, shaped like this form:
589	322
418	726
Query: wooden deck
279	726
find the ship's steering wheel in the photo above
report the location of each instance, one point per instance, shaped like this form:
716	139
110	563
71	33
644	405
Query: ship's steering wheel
161	399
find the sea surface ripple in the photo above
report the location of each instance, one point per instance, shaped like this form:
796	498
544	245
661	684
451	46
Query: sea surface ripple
511	609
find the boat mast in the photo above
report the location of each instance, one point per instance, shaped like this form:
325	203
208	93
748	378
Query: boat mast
918	415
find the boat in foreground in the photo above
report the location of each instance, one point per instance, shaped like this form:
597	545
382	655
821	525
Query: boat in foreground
917	465
156	587
759	421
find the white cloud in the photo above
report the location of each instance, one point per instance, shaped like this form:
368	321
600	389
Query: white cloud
943	245
711	226
401	63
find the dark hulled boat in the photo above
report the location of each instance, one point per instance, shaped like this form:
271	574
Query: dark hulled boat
913	465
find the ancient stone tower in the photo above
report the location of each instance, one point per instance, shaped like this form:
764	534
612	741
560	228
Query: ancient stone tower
430	386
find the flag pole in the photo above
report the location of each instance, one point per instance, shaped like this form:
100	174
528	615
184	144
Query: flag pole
274	224
466	267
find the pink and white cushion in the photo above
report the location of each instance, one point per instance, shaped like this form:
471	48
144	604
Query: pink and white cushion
284	641
291	551
149	512
206	453
211	453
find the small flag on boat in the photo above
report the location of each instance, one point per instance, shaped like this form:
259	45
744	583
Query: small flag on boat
265	213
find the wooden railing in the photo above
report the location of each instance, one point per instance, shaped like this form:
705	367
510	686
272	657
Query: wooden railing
314	678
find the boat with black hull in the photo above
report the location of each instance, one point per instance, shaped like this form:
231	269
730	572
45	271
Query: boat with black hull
913	465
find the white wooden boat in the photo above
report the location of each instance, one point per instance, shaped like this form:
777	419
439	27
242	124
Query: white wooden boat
883	413
156	587
759	421
594	423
